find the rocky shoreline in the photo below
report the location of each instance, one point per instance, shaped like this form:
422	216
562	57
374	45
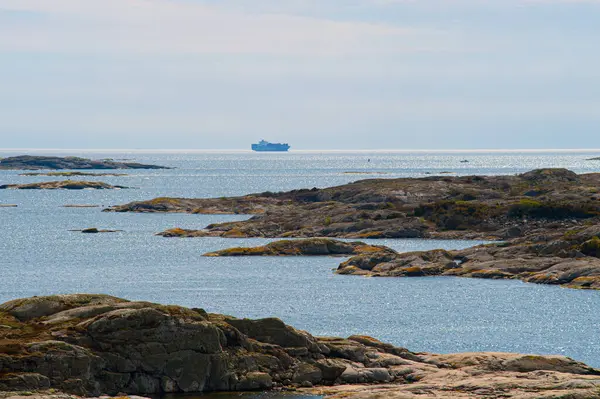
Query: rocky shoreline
547	222
86	344
469	207
53	394
570	259
29	162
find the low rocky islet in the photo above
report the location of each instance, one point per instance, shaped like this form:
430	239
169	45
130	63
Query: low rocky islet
30	162
62	185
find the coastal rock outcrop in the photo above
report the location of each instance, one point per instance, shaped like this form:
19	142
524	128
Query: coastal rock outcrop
64	185
248	205
570	258
481	375
97	344
53	394
546	219
470	207
29	162
305	247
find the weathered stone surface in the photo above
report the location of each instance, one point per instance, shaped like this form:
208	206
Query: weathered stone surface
228	206
97	344
92	344
307	372
480	375
29	162
35	307
305	247
274	331
64	184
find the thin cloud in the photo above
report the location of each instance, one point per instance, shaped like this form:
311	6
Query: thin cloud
163	27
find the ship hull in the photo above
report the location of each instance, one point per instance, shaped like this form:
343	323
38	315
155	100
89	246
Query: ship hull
270	148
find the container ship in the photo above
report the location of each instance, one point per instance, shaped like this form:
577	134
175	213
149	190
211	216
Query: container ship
266	146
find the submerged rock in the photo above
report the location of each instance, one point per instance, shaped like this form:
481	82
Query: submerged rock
97	344
64	184
29	162
94	230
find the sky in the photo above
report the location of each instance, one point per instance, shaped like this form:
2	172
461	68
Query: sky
318	74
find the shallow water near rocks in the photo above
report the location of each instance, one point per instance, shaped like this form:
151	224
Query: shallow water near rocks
40	256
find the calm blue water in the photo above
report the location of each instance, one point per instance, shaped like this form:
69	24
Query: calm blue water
39	256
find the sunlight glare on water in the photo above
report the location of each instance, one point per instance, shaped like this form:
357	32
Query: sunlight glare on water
40	256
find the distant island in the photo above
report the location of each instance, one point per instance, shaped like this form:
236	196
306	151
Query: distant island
29	162
64	185
70	174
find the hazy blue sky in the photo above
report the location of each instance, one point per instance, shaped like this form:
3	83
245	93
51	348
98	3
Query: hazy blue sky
319	74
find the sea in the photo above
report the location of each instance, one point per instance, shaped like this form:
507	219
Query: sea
41	255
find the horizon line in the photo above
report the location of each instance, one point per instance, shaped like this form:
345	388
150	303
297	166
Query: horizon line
422	150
